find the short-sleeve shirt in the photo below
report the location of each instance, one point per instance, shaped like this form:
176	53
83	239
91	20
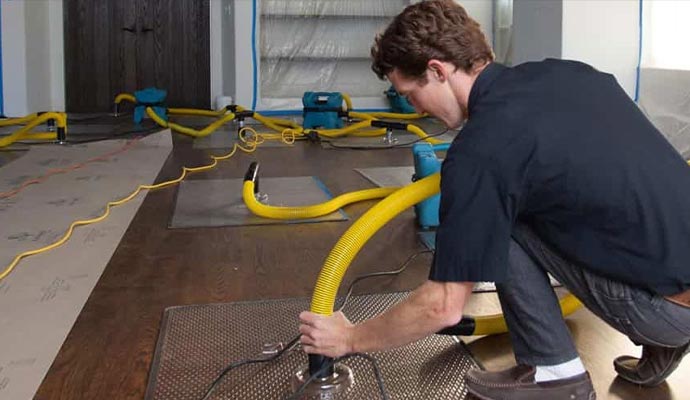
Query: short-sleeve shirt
561	147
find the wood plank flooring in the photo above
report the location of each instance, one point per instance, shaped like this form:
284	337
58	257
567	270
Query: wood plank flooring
108	353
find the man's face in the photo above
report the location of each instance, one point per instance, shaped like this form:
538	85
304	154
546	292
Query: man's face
435	96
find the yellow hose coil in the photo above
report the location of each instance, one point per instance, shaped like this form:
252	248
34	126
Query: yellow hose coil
311	211
365	227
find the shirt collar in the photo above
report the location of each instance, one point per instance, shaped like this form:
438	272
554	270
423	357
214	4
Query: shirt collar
483	83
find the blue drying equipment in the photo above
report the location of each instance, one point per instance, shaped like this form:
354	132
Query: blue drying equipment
150	97
427	163
322	110
399	104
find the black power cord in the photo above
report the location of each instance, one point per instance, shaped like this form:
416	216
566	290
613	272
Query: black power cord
295	341
333	144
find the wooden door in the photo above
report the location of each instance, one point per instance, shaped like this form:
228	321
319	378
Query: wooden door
100	52
116	46
174	50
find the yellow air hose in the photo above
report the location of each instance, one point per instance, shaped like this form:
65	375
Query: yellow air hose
189	131
125	97
365	227
23	133
303	212
17	121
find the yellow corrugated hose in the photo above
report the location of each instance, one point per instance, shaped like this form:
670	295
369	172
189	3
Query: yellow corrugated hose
17	121
359	233
189	131
365	227
311	211
23	133
125	97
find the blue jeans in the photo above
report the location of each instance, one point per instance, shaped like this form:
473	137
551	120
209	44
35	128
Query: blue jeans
530	306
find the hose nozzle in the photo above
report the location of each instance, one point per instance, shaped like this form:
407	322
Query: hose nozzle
253	175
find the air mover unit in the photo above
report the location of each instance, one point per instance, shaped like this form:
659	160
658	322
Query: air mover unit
322	110
427	163
399	104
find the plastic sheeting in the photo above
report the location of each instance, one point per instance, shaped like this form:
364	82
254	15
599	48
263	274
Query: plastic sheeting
665	98
321	45
664	81
503	31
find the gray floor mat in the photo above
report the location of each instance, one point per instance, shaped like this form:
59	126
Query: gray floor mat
222	203
196	342
387	176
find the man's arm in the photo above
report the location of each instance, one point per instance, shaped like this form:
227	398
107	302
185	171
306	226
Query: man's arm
429	308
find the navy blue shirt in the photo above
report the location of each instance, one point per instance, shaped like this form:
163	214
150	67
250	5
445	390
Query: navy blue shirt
560	146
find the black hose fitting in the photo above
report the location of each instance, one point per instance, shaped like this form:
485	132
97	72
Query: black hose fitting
241	115
316	362
313	136
389	125
253	175
61	135
465	327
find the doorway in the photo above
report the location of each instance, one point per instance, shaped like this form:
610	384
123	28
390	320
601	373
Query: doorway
126	45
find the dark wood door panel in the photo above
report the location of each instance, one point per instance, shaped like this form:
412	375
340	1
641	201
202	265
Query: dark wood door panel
119	46
99	54
174	50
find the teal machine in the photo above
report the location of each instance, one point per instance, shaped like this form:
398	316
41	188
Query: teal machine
426	163
322	110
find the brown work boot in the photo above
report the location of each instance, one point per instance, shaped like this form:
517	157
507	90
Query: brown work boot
655	365
518	383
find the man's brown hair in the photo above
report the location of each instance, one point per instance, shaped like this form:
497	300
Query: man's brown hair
434	29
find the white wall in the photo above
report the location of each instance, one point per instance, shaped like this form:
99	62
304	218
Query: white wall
33	55
38	85
605	34
14	57
216	48
482	12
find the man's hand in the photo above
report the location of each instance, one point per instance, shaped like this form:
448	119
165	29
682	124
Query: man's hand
326	335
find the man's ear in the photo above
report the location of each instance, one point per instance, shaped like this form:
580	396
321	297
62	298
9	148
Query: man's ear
438	70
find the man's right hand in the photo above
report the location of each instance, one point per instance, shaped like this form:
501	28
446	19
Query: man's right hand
331	336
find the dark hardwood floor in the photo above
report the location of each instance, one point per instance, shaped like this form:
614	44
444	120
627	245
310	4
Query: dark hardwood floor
107	354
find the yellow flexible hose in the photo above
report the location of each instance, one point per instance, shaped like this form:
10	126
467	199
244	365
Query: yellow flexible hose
276	124
24	132
382	114
189	131
106	212
359	233
17	121
348	101
196	111
125	97
311	211
494	324
420	133
360	115
365	227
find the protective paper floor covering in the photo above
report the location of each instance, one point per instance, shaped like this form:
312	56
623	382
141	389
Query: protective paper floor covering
388	176
197	342
41	299
223	205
